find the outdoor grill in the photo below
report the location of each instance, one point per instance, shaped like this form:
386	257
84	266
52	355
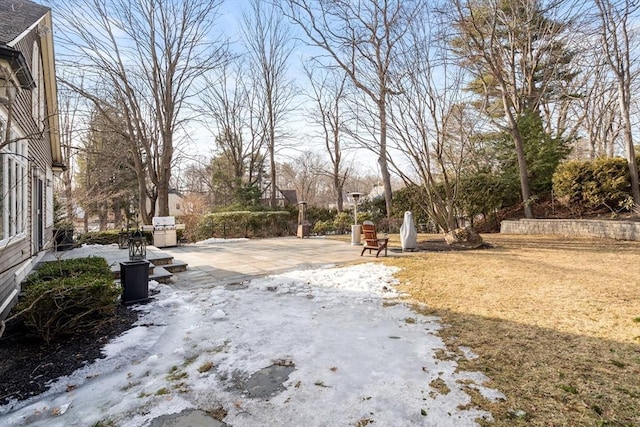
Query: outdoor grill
164	231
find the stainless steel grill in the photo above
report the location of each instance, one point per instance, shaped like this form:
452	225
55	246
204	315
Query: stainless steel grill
164	231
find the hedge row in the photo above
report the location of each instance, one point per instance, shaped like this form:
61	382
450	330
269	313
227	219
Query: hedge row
244	224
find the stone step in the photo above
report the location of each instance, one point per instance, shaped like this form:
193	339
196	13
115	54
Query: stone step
160	259
160	268
159	274
176	267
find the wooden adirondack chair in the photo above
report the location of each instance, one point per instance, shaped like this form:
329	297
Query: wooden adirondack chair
371	240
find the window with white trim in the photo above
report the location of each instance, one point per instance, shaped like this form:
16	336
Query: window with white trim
14	181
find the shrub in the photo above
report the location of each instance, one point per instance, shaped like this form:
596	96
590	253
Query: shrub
323	227
585	185
70	268
408	199
191	230
483	193
613	186
68	297
375	209
342	222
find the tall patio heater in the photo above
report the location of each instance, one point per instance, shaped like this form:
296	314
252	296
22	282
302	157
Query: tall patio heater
356	229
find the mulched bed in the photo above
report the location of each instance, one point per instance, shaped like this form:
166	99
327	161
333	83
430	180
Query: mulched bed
27	366
439	245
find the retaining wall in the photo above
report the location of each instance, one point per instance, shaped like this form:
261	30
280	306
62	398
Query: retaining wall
621	230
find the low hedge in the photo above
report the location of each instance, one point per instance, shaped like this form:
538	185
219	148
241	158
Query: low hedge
67	297
244	224
106	237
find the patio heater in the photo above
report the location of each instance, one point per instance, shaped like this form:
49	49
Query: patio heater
304	228
356	229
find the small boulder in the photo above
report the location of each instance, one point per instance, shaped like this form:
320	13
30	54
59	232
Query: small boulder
464	238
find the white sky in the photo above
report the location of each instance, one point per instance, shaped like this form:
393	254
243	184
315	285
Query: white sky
353	358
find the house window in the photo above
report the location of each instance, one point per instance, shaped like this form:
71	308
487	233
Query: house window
13	191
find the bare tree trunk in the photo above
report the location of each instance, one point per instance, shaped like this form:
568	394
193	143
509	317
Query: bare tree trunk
382	156
272	173
628	141
522	162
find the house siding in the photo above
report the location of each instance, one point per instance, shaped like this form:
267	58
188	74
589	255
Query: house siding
8	292
15	255
18	257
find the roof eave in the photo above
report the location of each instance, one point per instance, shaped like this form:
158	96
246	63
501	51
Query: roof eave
19	66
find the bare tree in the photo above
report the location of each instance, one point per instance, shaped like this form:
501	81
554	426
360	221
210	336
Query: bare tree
196	179
142	59
104	175
431	127
71	127
269	44
617	46
328	93
228	101
303	174
364	40
593	111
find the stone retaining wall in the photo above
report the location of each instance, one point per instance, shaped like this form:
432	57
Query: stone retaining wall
621	230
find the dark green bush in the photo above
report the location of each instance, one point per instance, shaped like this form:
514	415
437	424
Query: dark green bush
409	199
68	297
589	185
375	209
483	193
315	214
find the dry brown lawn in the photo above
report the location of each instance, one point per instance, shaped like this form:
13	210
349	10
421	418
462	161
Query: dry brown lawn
555	321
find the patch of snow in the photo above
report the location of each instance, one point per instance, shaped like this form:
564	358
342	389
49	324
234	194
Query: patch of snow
468	353
213	240
354	358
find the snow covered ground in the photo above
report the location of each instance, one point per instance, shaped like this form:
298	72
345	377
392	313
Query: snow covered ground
351	353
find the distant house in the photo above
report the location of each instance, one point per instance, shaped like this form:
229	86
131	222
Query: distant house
176	203
283	197
30	152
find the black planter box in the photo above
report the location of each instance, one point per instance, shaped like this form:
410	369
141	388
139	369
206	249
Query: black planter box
134	276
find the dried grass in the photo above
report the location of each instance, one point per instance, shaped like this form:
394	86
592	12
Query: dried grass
552	319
